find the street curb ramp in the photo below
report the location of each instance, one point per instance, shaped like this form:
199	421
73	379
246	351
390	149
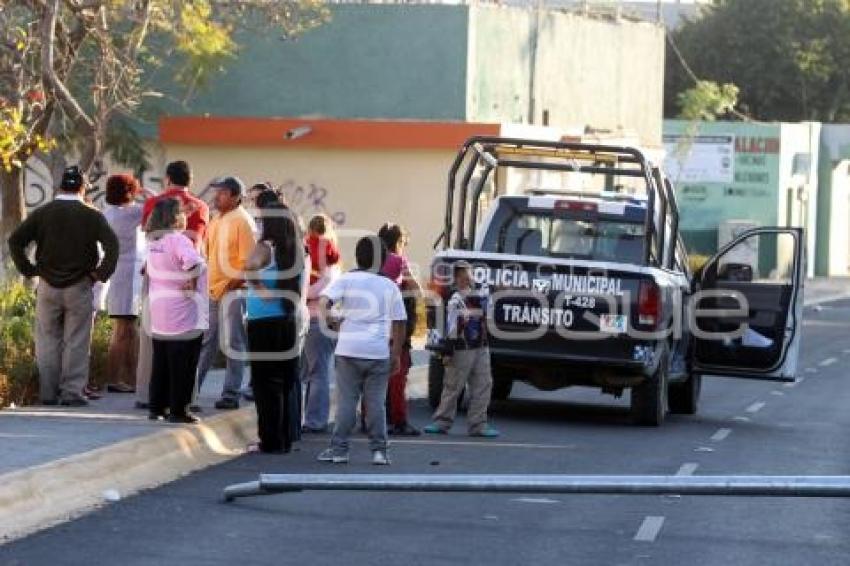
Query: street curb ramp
42	496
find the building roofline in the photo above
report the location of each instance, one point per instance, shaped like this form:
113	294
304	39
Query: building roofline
319	133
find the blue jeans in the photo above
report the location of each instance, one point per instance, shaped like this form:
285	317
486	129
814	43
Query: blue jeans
316	376
234	337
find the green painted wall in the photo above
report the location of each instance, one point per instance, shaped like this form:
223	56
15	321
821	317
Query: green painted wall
369	61
751	195
604	74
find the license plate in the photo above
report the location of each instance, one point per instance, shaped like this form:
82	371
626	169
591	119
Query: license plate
613	323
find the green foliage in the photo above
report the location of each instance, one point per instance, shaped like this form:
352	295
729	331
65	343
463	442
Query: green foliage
707	100
788	57
18	371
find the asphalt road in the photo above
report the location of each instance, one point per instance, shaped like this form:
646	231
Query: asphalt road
744	427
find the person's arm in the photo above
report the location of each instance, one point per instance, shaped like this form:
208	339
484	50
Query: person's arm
19	241
109	241
260	258
190	262
398	330
327	276
245	243
409	283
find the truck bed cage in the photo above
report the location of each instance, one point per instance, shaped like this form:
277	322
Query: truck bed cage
485	154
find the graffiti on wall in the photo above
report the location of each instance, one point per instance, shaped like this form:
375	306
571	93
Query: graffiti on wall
306	200
39	184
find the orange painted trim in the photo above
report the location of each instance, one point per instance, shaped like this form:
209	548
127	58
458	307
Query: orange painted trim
323	134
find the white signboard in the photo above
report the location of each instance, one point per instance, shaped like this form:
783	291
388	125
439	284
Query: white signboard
699	159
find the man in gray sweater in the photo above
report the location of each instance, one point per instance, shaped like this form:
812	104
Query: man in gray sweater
66	234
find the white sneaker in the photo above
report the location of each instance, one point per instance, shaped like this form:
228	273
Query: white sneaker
333	456
380	458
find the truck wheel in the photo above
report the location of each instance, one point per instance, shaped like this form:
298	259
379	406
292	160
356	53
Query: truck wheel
503	382
684	397
649	399
501	388
435	381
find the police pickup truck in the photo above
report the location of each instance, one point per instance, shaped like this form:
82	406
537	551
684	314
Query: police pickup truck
577	248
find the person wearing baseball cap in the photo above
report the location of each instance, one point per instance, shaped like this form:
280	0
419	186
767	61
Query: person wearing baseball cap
66	234
230	240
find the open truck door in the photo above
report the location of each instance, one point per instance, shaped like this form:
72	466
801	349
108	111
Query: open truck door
746	315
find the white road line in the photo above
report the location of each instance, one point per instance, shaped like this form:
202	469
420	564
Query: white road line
847	350
540	500
777	393
756	407
828	362
703	449
741	419
721	434
687	469
649	529
811	370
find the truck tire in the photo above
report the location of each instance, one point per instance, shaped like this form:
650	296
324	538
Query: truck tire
503	382
435	381
649	399
684	397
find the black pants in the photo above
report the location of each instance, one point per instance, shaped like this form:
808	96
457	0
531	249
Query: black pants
175	363
273	381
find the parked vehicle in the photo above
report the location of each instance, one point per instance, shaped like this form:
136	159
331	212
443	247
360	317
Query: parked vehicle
589	280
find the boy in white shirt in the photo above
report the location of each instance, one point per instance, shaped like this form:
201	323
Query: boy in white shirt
372	313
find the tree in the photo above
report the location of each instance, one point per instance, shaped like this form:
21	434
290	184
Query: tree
786	56
73	72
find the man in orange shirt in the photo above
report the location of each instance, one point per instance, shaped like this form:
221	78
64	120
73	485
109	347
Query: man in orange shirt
229	242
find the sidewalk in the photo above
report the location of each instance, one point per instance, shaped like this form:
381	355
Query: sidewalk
824	289
59	463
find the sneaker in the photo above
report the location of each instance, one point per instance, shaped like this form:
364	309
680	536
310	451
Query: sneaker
405	429
434	428
486	432
333	456
227	404
184	419
380	458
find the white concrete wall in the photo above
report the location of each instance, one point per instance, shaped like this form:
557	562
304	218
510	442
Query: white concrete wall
361	189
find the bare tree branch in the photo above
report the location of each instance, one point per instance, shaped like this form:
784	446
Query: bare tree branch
48	69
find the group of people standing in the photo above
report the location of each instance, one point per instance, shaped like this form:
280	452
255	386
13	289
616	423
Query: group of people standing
248	282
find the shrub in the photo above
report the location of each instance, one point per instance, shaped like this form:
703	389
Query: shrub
18	371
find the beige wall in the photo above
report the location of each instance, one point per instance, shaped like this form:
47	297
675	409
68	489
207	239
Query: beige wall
363	189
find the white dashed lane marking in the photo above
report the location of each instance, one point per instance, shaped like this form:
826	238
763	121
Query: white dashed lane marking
721	434
649	529
811	370
828	362
741	419
538	500
687	469
777	393
756	407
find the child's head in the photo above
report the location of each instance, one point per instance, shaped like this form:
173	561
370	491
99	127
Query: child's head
320	225
370	254
463	275
393	236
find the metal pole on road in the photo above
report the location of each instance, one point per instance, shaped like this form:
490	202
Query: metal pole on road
762	486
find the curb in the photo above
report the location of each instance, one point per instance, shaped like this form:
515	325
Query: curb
826	299
44	495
